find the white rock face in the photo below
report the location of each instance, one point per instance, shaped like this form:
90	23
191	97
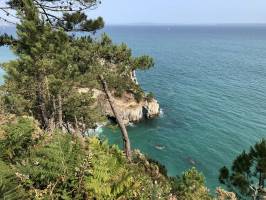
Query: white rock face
128	108
152	109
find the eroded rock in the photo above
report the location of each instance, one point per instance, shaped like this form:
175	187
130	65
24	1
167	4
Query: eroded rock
129	109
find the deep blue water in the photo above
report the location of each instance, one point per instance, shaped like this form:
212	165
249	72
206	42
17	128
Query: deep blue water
211	84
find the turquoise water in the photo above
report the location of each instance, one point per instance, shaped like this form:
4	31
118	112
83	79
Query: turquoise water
211	85
5	53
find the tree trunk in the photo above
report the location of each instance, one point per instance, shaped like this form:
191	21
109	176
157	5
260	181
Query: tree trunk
41	102
261	180
53	122
120	122
60	111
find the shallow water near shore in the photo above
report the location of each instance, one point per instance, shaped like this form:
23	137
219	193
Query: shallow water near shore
210	82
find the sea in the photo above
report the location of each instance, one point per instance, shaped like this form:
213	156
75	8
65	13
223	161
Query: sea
210	81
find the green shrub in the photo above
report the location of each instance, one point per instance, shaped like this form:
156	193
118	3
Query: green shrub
138	96
17	139
190	186
54	168
122	180
9	189
162	168
118	92
149	96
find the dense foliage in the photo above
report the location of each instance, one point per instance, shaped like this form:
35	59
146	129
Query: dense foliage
67	14
247	175
190	186
63	166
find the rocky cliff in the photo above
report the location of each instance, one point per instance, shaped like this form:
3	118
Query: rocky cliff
129	109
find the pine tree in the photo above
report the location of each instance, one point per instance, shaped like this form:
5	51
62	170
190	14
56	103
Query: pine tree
247	175
44	78
190	186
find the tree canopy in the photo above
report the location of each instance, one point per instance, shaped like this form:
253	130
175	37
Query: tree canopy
67	14
248	172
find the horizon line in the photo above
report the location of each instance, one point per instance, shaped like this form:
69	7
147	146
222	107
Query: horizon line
174	24
184	24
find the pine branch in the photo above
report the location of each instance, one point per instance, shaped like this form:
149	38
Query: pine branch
9	13
7	21
58	13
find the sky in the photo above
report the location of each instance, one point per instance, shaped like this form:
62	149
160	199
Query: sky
180	11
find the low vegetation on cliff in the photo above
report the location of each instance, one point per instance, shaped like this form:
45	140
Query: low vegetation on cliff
38	165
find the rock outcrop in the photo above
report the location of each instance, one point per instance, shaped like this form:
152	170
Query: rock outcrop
128	108
224	195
